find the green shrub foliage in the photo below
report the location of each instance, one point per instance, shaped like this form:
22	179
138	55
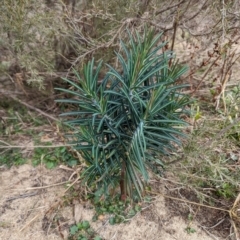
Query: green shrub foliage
123	122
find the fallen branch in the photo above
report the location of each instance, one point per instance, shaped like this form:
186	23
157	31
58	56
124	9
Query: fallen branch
23	196
190	202
36	146
42	187
169	7
31	107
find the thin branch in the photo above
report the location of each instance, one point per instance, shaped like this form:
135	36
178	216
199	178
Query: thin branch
7	144
9	93
36	146
197	13
190	202
22	196
42	187
202	34
107	44
167	8
206	73
31	107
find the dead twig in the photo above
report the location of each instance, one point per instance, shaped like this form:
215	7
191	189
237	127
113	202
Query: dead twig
108	44
197	13
43	187
32	220
31	107
205	74
23	196
8	146
190	202
169	7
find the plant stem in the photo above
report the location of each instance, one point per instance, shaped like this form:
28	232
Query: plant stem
122	182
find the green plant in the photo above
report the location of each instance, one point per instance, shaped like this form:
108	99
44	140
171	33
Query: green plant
52	157
82	231
190	230
119	211
11	157
227	190
123	123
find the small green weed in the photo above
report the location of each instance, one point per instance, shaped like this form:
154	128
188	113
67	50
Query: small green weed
19	123
119	211
83	231
18	120
190	230
12	157
227	190
52	157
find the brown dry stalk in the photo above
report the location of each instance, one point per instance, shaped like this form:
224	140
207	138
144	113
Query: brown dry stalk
31	107
36	146
190	202
169	7
205	74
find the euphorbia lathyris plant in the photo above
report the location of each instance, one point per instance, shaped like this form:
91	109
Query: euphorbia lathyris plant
123	122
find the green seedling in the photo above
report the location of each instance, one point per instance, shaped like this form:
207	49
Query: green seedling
190	230
83	231
119	211
123	124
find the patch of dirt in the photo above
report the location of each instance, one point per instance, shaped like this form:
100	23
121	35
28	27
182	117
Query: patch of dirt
31	206
24	200
214	221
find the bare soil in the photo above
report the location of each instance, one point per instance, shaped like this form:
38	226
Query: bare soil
31	207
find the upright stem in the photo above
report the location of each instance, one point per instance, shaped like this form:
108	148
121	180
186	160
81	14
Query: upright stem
122	182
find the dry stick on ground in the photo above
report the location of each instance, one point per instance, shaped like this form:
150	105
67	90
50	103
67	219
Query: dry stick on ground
190	202
31	221
9	93
42	187
33	108
169	7
8	146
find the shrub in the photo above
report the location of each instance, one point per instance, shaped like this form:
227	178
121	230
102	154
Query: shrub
122	123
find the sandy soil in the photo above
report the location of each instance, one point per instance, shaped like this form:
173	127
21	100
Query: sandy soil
29	202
